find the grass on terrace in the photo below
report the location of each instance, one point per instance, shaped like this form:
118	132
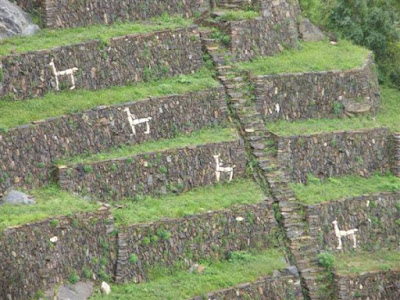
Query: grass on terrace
203	136
67	102
356	263
199	200
50	202
335	188
50	38
53	202
310	57
388	116
237	15
179	285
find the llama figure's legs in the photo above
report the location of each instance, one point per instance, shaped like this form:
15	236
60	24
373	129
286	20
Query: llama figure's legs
72	82
231	176
217	175
147	128
353	236
339	247
57	83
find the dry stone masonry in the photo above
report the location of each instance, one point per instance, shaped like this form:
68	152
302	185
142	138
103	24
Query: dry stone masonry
396	154
153	173
374	217
282	287
360	152
39	255
208	235
71	13
124	60
375	285
317	95
27	152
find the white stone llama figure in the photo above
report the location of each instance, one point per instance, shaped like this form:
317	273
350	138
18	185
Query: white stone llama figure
133	121
343	233
219	168
69	72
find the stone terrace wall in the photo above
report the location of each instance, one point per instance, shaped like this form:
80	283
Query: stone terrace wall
396	154
72	13
374	216
153	173
29	261
209	235
361	152
266	35
281	287
316	95
27	152
376	285
127	59
29	5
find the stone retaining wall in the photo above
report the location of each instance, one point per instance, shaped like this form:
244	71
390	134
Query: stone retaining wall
30	6
361	152
124	60
396	154
27	152
317	95
280	287
72	13
153	173
267	35
190	239
30	261
375	217
375	285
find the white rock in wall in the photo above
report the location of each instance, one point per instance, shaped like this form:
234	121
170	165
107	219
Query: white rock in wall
105	288
14	21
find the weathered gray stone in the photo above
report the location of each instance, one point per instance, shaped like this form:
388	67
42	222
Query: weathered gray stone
14	21
293	270
16	197
310	32
79	291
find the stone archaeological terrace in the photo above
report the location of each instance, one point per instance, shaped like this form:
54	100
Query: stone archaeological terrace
194	150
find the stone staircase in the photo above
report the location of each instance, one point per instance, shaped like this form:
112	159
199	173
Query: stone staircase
261	147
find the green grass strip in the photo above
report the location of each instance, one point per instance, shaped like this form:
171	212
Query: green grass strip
199	200
237	15
50	38
50	202
67	102
360	262
388	116
310	57
176	285
204	136
335	188
53	202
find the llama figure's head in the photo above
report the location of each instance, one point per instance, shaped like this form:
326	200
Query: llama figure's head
51	64
334	222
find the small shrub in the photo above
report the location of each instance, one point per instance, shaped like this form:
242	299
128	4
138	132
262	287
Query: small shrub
73	278
133	259
337	108
87	273
326	260
164	234
239	256
54	222
88	169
